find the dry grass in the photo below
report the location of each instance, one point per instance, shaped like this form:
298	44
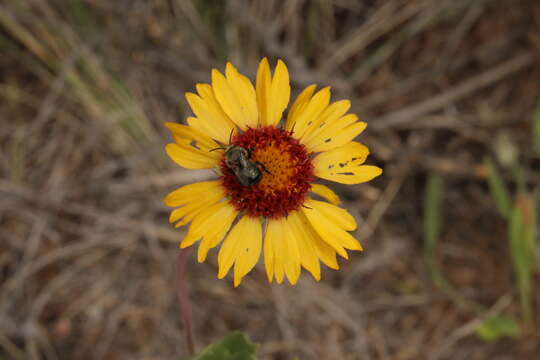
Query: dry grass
86	253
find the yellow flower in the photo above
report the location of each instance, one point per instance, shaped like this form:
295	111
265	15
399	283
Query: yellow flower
267	167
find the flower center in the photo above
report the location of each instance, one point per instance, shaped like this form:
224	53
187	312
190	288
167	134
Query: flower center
286	173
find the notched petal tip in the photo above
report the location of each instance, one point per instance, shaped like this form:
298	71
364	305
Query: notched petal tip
326	89
264	61
281	68
190	96
216	74
293	281
230	70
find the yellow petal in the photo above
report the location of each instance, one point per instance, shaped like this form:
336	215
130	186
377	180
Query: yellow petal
194	193
193	198
272	93
330	115
343	164
331	233
236	96
326	193
211	241
245	93
241	247
269	256
357	175
229	249
227	99
226	125
324	233
190	157
291	257
275	251
337	215
324	251
306	248
183	132
274	242
299	104
221	224
330	128
343	137
250	251
210	117
191	211
280	92
308	112
264	82
188	212
209	222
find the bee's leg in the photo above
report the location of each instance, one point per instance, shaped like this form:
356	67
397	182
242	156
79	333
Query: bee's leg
263	167
217	171
292	129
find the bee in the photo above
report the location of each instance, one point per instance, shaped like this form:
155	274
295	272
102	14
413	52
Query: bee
237	158
247	171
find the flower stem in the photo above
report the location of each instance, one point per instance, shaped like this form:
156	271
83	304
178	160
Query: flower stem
185	308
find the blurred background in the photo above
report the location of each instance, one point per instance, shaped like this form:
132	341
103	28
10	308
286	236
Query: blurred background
450	89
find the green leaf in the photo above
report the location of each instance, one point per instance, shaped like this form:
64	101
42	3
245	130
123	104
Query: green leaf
499	326
432	223
498	188
234	346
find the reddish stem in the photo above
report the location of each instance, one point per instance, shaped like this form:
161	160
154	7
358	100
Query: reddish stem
185	308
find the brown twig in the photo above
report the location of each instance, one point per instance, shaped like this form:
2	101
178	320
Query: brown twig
416	111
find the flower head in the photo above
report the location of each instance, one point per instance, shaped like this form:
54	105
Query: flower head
267	166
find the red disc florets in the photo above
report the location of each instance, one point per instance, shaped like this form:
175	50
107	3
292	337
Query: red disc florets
286	170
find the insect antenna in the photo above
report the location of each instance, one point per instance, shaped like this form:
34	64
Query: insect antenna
218	148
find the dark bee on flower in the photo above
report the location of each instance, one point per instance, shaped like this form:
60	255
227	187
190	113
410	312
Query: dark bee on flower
237	158
247	171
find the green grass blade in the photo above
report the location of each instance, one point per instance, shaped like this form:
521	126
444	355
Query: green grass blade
521	236
432	223
498	188
536	130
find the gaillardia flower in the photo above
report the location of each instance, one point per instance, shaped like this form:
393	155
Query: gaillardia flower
267	165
